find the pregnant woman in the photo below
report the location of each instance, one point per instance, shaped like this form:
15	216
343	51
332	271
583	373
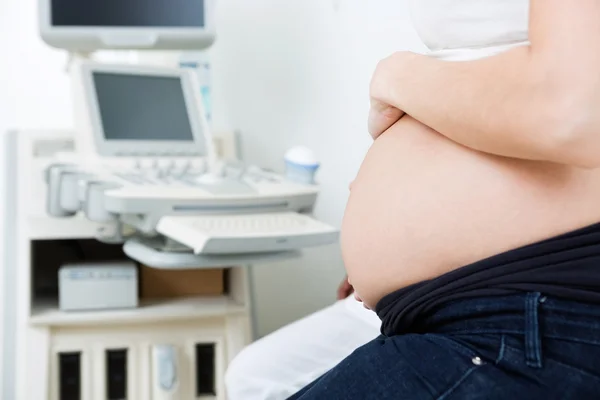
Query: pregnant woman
472	226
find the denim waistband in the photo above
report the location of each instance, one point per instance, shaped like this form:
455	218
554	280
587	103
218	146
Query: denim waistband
518	314
566	267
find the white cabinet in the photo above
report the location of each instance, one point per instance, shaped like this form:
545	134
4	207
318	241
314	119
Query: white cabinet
199	365
92	353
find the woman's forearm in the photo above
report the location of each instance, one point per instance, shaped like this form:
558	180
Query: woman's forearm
503	104
508	104
538	101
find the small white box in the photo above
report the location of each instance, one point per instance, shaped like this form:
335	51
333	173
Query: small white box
98	286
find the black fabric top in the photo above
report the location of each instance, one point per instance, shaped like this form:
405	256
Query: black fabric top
566	266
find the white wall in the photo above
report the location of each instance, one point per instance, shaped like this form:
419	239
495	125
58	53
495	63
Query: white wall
33	87
285	73
297	72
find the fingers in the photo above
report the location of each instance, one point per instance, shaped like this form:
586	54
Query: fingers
382	117
342	293
344	290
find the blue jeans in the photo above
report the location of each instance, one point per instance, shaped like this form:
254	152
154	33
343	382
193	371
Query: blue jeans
521	347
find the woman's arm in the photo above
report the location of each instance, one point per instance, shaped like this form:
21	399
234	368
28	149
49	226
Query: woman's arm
540	101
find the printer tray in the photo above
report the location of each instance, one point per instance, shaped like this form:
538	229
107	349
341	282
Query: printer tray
247	233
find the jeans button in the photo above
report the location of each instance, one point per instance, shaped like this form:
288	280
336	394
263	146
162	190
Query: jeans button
477	361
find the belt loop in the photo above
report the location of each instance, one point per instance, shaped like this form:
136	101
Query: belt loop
533	346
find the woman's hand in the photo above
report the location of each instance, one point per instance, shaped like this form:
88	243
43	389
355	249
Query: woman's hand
382	114
381	117
345	289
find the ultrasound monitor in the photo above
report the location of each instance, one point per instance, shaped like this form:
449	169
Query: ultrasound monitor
85	26
145	112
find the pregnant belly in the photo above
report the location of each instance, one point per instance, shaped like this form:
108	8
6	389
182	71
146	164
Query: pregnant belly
422	205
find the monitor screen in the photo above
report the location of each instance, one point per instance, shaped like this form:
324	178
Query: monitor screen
128	13
142	107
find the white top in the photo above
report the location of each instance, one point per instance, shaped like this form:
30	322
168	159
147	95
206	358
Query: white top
466	29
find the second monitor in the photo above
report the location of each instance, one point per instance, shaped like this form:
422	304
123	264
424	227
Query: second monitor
85	26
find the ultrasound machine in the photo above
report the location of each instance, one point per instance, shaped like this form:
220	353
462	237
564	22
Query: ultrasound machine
144	160
140	170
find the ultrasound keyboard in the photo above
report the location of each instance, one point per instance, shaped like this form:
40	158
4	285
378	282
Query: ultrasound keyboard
215	234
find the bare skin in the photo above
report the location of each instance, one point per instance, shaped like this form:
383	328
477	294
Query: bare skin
423	205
